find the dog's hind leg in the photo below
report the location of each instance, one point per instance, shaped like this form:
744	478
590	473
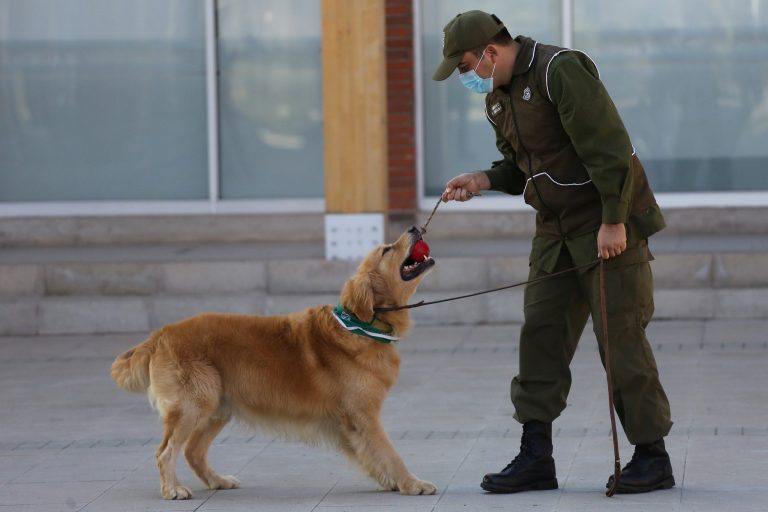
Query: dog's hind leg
196	453
178	426
371	448
187	396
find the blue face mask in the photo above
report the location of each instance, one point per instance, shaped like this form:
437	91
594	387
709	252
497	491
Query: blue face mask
474	82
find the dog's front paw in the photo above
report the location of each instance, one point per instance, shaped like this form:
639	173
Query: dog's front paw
178	492
226	482
415	487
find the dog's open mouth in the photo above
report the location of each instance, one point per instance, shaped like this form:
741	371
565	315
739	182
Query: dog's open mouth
417	261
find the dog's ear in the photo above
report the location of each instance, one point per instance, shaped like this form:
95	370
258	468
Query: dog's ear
357	296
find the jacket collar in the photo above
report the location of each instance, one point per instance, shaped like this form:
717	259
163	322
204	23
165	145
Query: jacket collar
525	55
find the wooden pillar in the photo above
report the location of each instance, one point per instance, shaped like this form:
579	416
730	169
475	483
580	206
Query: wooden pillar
354	106
355	126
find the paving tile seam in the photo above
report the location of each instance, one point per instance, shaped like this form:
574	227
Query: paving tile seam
8	447
467	453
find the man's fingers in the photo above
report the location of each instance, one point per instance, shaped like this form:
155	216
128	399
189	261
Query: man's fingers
457	194
610	252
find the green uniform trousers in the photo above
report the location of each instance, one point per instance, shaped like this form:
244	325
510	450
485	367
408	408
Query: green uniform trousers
556	312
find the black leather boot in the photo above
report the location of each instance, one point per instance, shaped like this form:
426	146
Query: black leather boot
649	470
533	469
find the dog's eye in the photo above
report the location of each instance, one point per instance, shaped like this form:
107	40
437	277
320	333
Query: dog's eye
386	249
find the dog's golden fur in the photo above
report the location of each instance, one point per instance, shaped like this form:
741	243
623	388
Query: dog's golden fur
302	374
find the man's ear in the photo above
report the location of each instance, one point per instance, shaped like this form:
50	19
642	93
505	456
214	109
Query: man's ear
357	296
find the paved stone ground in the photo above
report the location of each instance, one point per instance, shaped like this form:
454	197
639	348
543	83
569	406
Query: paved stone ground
71	441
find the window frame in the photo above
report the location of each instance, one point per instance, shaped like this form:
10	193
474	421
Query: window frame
212	205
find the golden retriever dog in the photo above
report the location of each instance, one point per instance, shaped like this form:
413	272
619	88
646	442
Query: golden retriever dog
304	375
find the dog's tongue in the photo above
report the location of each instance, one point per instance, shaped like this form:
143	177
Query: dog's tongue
420	251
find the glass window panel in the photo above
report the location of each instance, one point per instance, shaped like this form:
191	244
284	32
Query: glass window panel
691	82
270	93
102	100
457	135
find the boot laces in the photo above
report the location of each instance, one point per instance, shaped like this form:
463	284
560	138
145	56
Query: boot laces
640	451
633	460
512	464
524	452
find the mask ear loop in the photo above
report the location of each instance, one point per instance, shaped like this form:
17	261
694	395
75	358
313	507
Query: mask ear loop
493	70
479	61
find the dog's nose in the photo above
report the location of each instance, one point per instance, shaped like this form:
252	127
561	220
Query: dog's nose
414	230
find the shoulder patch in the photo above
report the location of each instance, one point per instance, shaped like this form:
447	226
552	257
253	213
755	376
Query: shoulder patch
527	94
496	108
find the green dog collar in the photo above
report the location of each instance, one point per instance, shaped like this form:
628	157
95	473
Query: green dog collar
353	324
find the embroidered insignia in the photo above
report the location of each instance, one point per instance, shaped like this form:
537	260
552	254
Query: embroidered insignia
527	94
496	108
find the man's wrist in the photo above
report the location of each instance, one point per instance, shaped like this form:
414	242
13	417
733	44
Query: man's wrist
482	180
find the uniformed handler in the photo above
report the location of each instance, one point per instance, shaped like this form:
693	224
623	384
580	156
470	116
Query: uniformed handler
565	148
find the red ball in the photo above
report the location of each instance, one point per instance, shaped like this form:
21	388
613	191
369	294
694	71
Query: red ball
420	251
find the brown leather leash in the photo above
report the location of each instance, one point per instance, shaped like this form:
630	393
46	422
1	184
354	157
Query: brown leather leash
383	309
604	317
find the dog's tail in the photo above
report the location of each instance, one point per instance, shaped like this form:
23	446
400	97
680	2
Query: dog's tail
130	370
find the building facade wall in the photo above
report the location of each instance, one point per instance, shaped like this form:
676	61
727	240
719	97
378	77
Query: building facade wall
108	112
401	122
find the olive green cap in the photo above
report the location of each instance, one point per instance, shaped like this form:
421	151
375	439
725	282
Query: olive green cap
463	33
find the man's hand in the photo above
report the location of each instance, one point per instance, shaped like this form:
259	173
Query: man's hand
611	240
465	186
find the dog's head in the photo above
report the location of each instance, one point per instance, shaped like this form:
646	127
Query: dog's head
388	276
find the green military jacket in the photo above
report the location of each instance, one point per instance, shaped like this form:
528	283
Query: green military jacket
571	158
